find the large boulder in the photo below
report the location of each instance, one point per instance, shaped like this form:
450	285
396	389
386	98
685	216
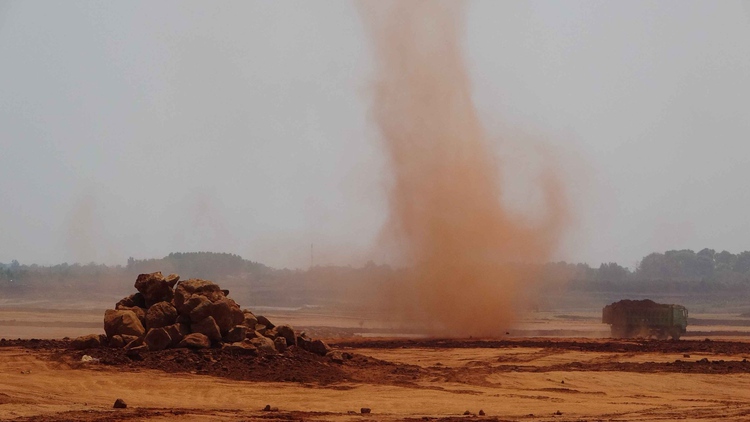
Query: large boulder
264	345
195	301
136	299
195	341
208	328
160	315
187	288
264	321
154	288
139	312
227	314
122	322
201	308
157	339
287	332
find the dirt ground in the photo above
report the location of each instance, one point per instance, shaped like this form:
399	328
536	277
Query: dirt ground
516	378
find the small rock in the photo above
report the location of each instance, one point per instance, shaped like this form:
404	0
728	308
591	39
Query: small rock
467	413
91	341
238	333
268	408
117	342
558	413
242	347
303	341
129	339
481	412
249	320
336	356
172	279
288	333
135	352
263	320
685	355
136	299
319	347
253	334
280	344
264	345
208	327
120	404
364	410
195	341
137	341
157	339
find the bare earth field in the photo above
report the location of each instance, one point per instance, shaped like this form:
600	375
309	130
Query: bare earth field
545	378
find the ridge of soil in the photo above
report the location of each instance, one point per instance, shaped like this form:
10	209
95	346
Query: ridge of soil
584	345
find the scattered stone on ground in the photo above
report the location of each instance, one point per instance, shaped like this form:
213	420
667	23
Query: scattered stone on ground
364	410
120	404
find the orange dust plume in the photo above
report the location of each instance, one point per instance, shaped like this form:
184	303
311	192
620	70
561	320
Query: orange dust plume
466	251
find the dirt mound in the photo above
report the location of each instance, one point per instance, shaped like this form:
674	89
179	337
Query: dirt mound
583	345
294	365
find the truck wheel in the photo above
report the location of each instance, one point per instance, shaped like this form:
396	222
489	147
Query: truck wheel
619	331
675	333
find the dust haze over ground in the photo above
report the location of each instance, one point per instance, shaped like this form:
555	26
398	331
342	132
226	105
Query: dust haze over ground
446	217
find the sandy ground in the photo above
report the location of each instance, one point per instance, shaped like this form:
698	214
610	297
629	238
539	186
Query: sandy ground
516	378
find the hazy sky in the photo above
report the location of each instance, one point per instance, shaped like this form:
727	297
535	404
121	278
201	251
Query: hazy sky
143	128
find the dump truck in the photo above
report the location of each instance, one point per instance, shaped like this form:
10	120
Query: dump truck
645	318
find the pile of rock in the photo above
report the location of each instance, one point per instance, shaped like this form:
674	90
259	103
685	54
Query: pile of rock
195	314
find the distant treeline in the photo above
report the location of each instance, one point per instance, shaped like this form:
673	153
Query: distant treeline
676	266
672	271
